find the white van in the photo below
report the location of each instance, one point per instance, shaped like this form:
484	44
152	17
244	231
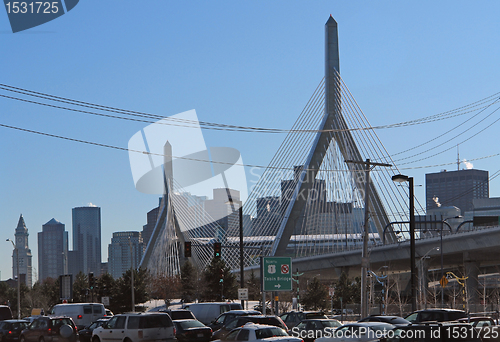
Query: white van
208	312
82	313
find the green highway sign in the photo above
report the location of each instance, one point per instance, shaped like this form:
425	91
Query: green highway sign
277	274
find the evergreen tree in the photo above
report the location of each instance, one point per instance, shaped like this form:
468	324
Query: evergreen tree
316	296
349	290
105	287
122	299
80	288
253	285
188	282
215	290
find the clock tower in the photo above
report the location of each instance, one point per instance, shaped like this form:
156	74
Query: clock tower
24	254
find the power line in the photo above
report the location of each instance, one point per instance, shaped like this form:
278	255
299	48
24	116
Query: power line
211	125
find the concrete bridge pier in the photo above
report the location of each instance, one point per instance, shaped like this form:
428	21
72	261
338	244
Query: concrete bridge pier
472	281
423	283
340	270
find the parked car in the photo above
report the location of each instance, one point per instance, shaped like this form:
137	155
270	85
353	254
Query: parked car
242	320
50	329
86	333
436	315
109	313
206	313
486	327
293	318
311	329
10	329
82	313
359	332
434	332
230	315
260	333
5	312
478	321
180	314
192	330
395	320
136	327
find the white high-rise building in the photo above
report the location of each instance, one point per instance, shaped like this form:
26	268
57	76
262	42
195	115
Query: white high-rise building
124	251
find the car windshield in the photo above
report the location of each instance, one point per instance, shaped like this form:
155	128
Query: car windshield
315	315
269	332
331	324
61	321
191	324
397	320
301	325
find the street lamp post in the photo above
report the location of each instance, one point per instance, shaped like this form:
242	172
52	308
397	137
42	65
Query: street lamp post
442	271
402	178
18	280
242	271
132	274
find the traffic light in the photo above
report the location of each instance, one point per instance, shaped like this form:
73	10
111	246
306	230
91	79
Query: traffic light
91	280
221	275
187	249
217	250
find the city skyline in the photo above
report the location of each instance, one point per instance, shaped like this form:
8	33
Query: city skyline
401	61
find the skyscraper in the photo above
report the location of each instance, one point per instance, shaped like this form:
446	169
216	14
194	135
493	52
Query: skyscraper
456	188
52	249
124	251
87	239
24	252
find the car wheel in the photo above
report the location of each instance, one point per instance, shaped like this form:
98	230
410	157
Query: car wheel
96	339
127	340
41	339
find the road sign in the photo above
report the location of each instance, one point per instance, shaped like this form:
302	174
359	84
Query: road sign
243	294
277	274
105	301
443	281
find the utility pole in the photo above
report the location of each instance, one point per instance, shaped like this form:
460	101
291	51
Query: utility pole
132	274
365	260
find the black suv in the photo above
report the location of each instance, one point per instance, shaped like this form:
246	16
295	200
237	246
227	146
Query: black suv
436	315
179	314
229	316
48	329
242	320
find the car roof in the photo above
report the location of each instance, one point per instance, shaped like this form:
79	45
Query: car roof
15	320
239	312
255	326
364	324
440	309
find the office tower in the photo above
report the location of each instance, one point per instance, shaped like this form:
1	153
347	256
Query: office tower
24	253
87	239
455	188
224	210
124	251
52	250
148	228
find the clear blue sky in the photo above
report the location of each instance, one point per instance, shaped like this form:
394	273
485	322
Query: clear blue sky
249	63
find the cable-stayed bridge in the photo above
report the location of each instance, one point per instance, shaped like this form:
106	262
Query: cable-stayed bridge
309	203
